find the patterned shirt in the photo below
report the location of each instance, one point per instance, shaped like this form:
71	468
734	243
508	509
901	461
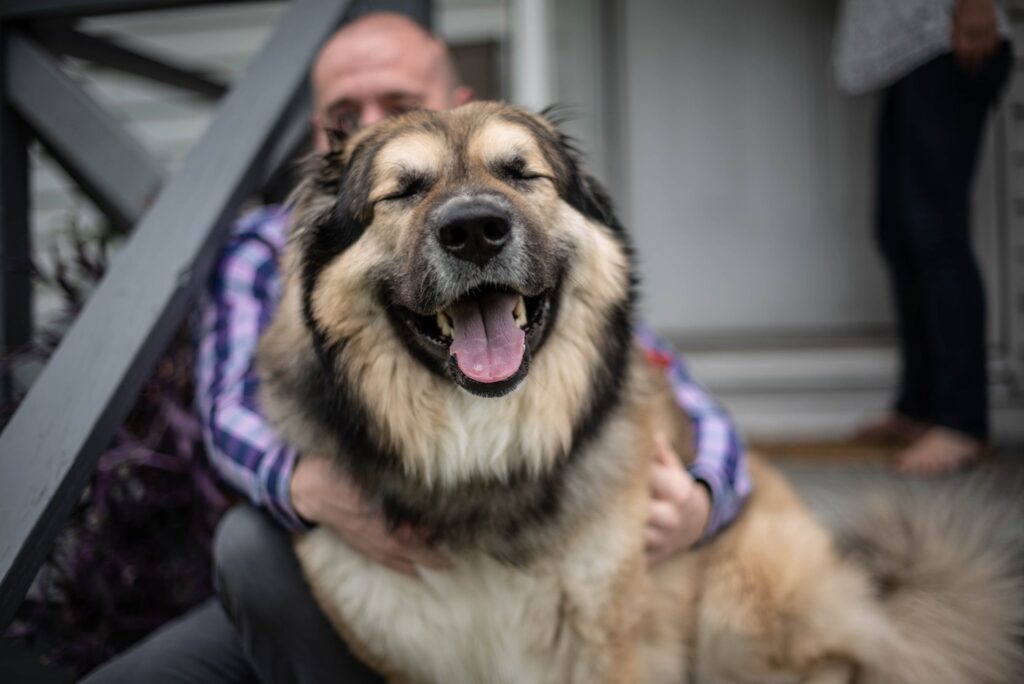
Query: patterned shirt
877	42
255	460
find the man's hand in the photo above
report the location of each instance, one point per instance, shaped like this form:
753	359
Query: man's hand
975	32
680	506
323	495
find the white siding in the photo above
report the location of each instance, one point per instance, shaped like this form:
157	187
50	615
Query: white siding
167	121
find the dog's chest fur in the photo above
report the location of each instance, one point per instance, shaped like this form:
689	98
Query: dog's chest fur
478	621
484	620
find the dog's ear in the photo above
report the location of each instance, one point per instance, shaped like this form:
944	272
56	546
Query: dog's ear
333	229
583	192
324	219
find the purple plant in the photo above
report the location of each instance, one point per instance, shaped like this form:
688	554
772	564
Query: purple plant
136	550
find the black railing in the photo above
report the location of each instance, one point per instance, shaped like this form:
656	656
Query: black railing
50	446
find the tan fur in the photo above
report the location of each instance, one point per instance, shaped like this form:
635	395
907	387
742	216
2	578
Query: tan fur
768	601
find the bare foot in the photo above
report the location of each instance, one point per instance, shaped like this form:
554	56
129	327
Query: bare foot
940	451
890	428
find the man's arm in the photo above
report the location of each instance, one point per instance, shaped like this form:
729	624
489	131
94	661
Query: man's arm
719	464
240	298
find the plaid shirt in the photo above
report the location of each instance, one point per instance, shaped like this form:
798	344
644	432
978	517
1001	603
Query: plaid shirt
252	458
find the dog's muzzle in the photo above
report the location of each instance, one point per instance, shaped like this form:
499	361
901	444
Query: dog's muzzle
484	303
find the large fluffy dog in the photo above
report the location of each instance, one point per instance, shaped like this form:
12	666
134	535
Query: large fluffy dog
455	333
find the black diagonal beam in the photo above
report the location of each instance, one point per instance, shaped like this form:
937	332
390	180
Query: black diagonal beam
15	276
92	146
419	11
52	443
279	169
22	9
105	51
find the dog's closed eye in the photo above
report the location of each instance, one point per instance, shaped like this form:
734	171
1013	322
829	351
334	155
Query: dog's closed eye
410	184
515	169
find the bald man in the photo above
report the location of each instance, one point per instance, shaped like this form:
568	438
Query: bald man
382	65
266	624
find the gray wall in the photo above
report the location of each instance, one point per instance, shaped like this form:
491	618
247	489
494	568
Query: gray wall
746	179
747	175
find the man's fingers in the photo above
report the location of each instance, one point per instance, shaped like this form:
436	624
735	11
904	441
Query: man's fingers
665	483
974	41
663	515
663	451
670	483
661	481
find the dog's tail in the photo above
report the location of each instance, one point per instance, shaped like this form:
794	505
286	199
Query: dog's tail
947	563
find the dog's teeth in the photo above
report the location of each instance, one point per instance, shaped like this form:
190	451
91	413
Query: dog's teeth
520	312
445	324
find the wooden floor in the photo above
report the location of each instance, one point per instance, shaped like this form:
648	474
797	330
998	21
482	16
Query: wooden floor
823	451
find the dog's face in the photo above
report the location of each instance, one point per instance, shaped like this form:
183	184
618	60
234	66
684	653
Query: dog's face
439	261
468	222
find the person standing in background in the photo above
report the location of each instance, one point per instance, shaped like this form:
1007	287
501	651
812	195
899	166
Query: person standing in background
941	66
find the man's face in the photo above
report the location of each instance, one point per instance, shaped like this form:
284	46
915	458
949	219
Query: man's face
365	75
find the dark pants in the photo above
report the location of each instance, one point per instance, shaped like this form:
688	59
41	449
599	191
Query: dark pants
265	627
929	135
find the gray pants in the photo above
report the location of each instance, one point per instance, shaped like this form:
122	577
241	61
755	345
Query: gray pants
265	627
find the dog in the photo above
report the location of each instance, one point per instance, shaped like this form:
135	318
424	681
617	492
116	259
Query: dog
455	332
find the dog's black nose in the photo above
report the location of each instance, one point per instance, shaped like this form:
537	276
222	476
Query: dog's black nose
474	232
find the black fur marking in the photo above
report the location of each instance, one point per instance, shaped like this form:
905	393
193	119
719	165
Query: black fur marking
409	337
331	236
609	378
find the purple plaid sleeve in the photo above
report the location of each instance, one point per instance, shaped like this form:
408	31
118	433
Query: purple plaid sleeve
241	295
720	462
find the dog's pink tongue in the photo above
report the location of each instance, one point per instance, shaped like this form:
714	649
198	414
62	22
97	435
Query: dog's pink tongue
487	344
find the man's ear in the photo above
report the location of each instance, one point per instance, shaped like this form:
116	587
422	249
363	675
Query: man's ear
463	94
326	139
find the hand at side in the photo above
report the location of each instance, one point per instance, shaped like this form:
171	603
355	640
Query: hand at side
975	32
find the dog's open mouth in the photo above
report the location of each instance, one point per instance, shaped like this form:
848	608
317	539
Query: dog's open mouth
487	335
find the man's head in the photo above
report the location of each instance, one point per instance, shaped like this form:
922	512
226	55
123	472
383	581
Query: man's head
380	65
